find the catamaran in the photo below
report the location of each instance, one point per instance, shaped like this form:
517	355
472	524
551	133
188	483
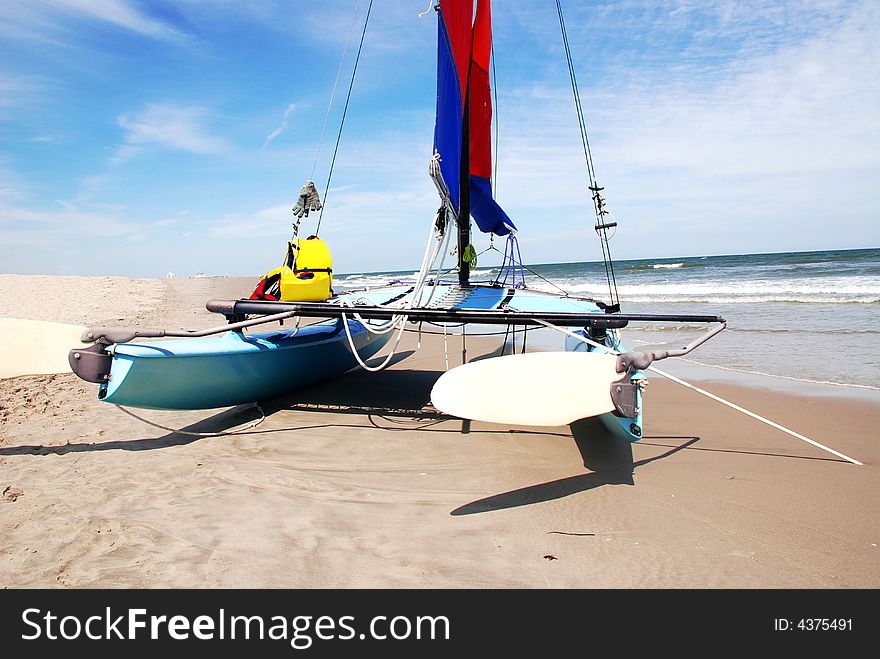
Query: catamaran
594	376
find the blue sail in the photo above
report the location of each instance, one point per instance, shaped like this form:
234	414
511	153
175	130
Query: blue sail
453	59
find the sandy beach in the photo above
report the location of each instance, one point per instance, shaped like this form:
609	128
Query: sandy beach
358	482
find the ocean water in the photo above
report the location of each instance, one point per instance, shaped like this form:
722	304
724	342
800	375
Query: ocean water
810	316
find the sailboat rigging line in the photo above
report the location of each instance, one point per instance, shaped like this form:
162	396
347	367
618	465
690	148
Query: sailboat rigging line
357	356
523	266
781	377
344	113
398	321
770	423
333	93
430	7
564	292
591	172
708	394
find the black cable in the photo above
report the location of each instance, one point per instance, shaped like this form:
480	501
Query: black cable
591	172
344	112
565	292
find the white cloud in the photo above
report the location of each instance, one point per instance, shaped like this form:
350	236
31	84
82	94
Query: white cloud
121	13
764	151
280	129
22	91
715	127
61	23
167	126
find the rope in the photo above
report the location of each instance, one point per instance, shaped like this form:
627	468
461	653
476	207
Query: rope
510	262
564	292
708	394
398	322
237	431
344	113
736	407
357	356
781	377
333	93
591	172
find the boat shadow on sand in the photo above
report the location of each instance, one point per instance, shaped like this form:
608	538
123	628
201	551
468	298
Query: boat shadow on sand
364	398
608	457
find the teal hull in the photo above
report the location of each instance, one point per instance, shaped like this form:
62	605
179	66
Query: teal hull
233	368
629	428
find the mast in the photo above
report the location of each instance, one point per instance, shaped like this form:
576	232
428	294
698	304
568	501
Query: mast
464	194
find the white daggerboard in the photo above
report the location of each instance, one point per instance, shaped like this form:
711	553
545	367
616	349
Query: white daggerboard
36	347
532	389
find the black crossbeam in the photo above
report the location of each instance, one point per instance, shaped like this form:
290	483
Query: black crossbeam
238	308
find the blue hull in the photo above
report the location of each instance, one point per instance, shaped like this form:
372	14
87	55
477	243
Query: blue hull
233	368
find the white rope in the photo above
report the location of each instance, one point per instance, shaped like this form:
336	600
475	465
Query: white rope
383	328
357	356
736	407
398	321
782	377
237	431
777	376
708	394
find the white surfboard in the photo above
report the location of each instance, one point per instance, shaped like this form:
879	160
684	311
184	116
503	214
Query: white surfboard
36	347
532	389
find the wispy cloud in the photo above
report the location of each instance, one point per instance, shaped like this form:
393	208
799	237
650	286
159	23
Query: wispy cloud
21	90
40	19
719	150
170	127
716	125
280	129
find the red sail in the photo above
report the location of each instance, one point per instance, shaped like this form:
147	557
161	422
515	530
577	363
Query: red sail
464	52
458	15
454	36
488	215
480	96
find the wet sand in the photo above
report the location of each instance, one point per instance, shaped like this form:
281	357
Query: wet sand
359	483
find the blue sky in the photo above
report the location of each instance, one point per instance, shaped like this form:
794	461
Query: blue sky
138	138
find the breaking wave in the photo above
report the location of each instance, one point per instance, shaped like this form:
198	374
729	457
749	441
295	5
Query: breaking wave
746	292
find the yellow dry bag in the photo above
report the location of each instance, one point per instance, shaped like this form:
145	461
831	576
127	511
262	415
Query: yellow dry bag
308	272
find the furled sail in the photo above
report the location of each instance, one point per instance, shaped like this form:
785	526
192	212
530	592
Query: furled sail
464	109
488	215
454	36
